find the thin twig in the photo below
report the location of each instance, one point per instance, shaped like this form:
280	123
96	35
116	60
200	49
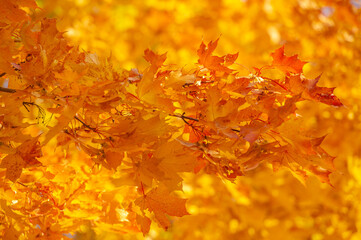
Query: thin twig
85	125
196	120
95	130
185	117
21	184
195	129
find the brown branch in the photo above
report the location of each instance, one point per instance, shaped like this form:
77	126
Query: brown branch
185	117
21	184
2	74
85	125
7	90
195	119
95	130
194	128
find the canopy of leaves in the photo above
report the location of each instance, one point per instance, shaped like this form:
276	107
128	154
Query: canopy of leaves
93	149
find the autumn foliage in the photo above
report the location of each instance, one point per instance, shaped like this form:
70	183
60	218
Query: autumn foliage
91	148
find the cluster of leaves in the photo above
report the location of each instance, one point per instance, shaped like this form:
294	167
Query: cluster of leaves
324	32
136	131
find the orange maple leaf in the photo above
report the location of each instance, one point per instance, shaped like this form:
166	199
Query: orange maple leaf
286	64
160	202
25	156
144	223
156	60
14	165
29	151
214	62
322	94
11	11
310	90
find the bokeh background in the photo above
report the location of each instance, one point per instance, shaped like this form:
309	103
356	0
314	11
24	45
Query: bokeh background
264	204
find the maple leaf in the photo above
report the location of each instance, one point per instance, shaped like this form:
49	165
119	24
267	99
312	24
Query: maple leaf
304	153
214	62
322	94
14	165
25	156
29	151
10	10
174	159
114	158
156	60
67	114
310	90
161	202
144	223
286	64
278	116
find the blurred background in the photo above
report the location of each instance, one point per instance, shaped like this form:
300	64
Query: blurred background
264	204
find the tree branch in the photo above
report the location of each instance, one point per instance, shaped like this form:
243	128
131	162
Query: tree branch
7	90
185	117
195	119
85	125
